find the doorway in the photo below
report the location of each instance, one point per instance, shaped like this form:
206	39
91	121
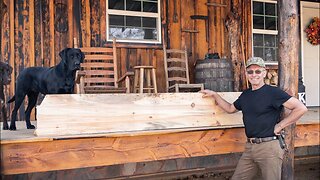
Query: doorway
310	54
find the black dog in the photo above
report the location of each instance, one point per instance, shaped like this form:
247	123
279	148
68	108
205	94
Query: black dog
55	80
5	79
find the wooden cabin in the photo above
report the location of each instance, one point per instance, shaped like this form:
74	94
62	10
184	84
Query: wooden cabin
33	32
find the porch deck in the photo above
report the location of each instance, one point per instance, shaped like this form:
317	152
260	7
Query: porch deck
23	152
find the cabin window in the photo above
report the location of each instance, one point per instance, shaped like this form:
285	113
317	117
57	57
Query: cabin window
134	21
265	30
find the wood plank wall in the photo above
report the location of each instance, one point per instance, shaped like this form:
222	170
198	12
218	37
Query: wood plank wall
33	32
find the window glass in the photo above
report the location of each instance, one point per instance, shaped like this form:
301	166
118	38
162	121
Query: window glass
270	23
258	22
258	8
133	21
116	20
264	18
258	40
269	40
258	52
270	9
265	46
115	32
150	7
126	33
269	54
116	4
132	5
150	34
149	22
264	15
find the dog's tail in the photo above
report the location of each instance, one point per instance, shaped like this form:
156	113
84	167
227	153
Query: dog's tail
12	99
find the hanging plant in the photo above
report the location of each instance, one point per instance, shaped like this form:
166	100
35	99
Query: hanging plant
313	31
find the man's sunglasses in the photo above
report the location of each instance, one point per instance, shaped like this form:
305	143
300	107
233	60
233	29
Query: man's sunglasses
258	71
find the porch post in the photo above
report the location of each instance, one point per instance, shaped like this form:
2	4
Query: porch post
288	70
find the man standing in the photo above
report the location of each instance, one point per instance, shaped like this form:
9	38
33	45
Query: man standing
261	106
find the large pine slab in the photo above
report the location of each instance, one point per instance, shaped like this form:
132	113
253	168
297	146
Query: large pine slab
75	114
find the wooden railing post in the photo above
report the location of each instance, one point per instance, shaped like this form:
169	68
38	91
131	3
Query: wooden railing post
289	39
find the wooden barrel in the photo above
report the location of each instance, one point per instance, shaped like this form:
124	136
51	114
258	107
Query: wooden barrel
215	74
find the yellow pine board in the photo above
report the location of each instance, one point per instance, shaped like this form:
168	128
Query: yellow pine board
109	113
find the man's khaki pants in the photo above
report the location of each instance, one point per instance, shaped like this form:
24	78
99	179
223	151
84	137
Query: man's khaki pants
266	156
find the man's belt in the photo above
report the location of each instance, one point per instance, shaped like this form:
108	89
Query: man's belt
260	140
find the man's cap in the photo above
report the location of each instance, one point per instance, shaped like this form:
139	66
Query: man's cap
256	61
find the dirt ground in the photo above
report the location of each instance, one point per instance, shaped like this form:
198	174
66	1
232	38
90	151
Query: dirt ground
302	172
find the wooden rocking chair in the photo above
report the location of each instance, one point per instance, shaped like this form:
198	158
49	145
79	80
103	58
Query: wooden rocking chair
98	72
177	71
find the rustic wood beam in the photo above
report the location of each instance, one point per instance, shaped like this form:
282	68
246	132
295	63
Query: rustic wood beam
70	23
189	30
288	70
52	32
12	54
87	24
233	26
103	25
216	4
45	154
32	36
3	11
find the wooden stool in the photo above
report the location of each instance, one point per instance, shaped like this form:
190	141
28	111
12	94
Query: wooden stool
139	72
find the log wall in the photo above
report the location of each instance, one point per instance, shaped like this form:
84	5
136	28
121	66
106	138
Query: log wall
33	32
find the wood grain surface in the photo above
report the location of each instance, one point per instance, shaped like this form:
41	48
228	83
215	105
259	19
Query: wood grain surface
60	115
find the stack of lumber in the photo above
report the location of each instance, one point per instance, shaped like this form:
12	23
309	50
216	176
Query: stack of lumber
129	114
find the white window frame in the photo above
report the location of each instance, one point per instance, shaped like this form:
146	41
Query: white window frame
137	14
262	31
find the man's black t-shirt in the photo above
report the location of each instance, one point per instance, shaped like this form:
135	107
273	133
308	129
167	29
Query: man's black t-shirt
261	110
